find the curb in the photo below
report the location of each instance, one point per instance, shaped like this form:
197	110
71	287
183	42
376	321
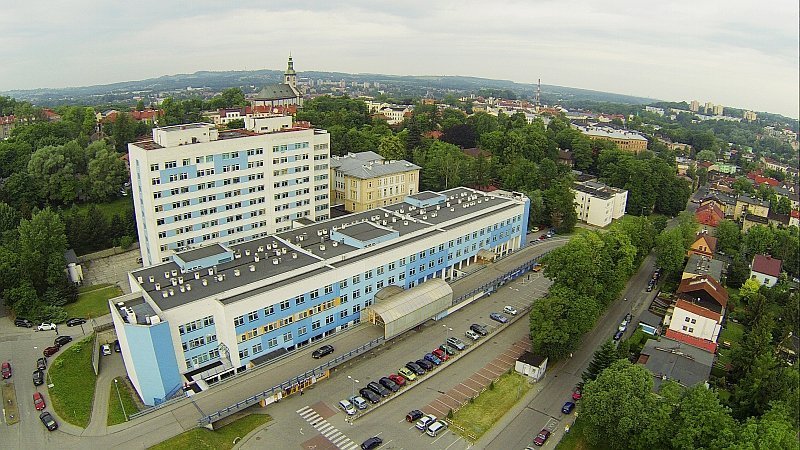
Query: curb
252	433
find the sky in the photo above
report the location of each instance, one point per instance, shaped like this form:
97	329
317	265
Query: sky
736	53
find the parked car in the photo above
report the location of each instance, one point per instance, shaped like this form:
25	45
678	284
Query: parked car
6	370
424	421
498	317
541	438
568	407
416	368
62	341
457	343
46	326
117	348
472	335
48	421
449	350
359	401
432	358
41	363
322	351
425	364
623	325
25	323
75	321
105	350
398	379
38	377
50	351
378	389
373	442
576	393
537	267
370	395
347	407
649	287
436	427
407	373
441	354
413	415
618	335
38	401
510	310
389	384
480	329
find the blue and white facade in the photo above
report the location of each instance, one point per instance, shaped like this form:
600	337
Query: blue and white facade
227	306
194	185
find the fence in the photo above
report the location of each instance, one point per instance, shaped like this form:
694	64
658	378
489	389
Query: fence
276	392
499	281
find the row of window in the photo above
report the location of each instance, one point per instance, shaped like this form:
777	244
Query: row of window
196	325
192	344
202	358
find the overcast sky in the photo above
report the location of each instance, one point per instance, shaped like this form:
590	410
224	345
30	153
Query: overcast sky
738	53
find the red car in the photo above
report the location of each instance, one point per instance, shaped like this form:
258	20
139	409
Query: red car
576	394
541	438
440	354
398	379
38	401
6	370
50	351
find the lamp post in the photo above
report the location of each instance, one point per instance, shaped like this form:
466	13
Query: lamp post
354	384
120	400
447	331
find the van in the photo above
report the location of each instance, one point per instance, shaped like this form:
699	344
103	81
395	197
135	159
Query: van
436	427
347	407
472	335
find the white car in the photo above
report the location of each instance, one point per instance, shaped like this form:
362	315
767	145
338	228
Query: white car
427	419
472	335
106	349
510	310
46	326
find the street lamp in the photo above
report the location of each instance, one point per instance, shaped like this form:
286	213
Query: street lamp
447	331
120	400
354	384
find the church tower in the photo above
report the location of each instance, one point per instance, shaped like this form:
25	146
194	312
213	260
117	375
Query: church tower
290	76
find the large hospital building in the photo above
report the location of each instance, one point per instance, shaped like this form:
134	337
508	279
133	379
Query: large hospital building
244	296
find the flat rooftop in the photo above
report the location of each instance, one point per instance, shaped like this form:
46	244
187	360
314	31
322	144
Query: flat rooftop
611	133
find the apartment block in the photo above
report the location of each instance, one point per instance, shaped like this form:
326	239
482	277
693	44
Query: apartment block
362	181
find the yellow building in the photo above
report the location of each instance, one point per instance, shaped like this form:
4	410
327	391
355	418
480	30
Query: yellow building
363	181
750	206
629	141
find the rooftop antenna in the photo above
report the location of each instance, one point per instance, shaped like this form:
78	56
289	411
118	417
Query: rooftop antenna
539	93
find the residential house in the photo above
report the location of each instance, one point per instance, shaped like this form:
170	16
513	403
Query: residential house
765	269
789	191
749	205
565	157
702	265
778	220
598	204
725	202
7	124
696	317
704	245
73	267
788	349
674	360
752	220
794	218
709	214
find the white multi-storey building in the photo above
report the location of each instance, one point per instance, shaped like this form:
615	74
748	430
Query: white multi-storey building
193	184
598	204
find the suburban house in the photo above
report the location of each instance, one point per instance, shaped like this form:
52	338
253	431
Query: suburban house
696	318
704	245
748	205
709	214
765	269
725	202
794	218
702	265
670	359
751	220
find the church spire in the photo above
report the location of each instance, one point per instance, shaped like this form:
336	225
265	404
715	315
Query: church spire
290	76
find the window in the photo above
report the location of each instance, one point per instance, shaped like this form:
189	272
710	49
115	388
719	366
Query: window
391	266
244	353
301	331
328	289
343	314
380	270
252	316
300	299
238	321
284	305
344	298
257	349
694	321
269	310
329	319
357	293
342	284
273	342
356	279
368	275
315	325
287	336
686	319
368	289
691	330
379	285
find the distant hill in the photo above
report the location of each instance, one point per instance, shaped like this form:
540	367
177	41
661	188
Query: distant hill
252	80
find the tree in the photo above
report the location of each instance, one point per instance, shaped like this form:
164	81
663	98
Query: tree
728	237
390	148
784	205
706	155
671	250
764	382
700	421
559	202
642	235
603	358
738	272
775	429
55	174
42	244
235	124
107	174
758	241
9	218
559	320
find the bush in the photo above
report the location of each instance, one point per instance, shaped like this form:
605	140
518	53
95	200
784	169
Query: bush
450	413
125	242
491	386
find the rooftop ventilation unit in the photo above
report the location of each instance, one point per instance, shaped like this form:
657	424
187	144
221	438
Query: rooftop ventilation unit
183	289
252	267
140	280
334	243
237	255
166	275
425	217
257	259
174	273
261	248
383	222
171	292
405	222
236	272
180	280
220	277
211	271
438	207
394	219
165	294
205	282
319	232
247	252
452	209
275	261
151	278
322	247
197	275
158	286
188	287
294	255
283	250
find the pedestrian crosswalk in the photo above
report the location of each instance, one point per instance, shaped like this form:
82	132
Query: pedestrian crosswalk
330	432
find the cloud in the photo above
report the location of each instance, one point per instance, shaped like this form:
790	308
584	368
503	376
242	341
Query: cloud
737	53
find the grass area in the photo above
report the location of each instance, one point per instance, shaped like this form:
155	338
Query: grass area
638	340
116	414
222	439
575	439
732	333
10	404
478	417
93	300
73	382
121	206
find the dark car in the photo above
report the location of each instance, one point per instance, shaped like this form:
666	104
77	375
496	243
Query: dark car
432	358
62	341
498	317
373	442
369	395
379	389
414	367
568	407
322	351
618	335
425	364
480	329
50	351
41	363
6	369
48	421
38	377
447	349
75	321
413	415
541	438
389	384
20	322
117	348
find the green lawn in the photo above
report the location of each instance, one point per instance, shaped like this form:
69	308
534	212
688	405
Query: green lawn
116	414
73	382
222	439
732	333
575	439
93	300
121	206
478	417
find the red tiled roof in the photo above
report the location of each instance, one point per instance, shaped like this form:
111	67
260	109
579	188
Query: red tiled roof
6	120
694	308
709	214
767	265
707	284
708	346
435	134
795	213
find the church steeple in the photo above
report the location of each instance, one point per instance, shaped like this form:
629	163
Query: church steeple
290	76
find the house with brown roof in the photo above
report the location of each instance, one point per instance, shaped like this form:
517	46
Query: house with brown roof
704	245
709	214
765	269
696	317
751	220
